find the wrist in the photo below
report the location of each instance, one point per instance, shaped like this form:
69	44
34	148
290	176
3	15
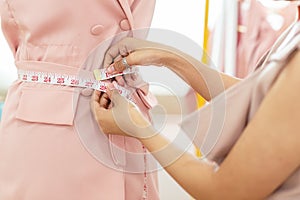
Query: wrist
147	134
164	56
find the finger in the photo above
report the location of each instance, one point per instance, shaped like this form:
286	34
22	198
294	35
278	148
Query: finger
119	49
120	80
96	96
99	113
104	100
112	70
119	65
117	99
110	105
115	84
110	89
123	51
95	106
118	57
110	55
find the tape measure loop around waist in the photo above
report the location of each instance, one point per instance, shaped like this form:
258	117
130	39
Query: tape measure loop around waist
56	74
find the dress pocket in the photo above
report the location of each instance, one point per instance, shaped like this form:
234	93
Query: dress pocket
48	105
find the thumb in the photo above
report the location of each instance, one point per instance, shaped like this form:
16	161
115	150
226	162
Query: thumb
117	99
138	57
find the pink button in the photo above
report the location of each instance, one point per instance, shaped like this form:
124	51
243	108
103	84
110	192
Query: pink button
124	24
97	29
87	92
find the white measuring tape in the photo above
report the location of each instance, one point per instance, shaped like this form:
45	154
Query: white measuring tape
98	83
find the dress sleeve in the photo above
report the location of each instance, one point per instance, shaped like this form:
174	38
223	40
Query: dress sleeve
9	26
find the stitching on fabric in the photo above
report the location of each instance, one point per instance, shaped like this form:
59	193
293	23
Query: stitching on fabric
11	12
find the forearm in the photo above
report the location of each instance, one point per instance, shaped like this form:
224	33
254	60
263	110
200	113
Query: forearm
203	79
192	174
206	81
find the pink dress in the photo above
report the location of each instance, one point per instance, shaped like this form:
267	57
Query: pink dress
50	145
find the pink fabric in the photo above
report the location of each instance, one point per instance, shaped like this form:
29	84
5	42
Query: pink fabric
259	36
216	127
50	145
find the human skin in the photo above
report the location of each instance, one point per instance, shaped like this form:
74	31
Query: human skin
240	176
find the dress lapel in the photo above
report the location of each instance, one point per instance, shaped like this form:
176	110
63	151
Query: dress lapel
126	8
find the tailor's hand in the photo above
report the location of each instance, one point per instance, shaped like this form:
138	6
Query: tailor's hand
136	51
116	115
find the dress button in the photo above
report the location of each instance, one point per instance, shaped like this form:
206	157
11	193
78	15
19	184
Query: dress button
97	29
124	24
87	92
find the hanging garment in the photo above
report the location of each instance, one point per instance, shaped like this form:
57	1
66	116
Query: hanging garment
256	35
48	148
220	124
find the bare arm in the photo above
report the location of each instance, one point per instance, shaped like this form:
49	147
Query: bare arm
265	155
203	79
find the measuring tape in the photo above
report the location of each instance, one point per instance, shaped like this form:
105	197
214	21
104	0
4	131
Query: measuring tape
100	82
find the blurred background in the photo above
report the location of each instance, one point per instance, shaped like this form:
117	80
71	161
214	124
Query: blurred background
236	34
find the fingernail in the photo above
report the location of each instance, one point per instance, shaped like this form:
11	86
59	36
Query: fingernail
121	82
110	69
